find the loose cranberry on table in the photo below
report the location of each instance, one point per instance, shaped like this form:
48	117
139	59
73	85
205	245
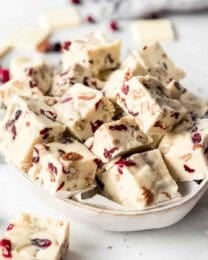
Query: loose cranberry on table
4	75
114	25
90	19
75	2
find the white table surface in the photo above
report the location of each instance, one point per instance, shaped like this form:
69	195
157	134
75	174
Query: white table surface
185	240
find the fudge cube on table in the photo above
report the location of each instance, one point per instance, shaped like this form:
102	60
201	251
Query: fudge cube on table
194	104
27	122
118	137
36	69
65	166
147	100
33	238
139	180
83	110
185	150
23	86
94	52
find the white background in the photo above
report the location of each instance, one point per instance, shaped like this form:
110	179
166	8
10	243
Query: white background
185	240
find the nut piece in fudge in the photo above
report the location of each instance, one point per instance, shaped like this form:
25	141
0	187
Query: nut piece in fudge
63	166
121	137
147	100
94	52
35	238
83	110
185	150
75	74
36	69
139	180
194	104
27	122
157	63
19	87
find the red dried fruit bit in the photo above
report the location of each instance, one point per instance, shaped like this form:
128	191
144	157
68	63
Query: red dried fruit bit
124	162
66	100
90	19
95	125
66	45
159	124
76	2
175	114
17	114
44	132
120	127
36	158
97	104
52	169
49	114
108	153
114	25
133	113
60	186
188	169
6	248
125	89
10	227
4	75
65	171
196	138
32	84
98	162
43	243
14	132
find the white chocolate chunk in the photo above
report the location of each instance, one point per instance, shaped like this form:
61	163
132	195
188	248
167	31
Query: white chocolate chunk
191	102
30	237
59	18
23	86
66	166
147	100
185	150
139	180
121	137
35	68
83	110
151	30
93	52
27	122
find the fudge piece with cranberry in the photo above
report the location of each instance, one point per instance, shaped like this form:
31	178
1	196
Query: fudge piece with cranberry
83	110
65	166
35	238
139	180
120	137
185	150
36	69
147	100
93	52
27	122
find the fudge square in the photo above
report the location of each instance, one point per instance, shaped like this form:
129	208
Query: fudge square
121	137
33	238
94	52
35	68
27	122
83	110
65	166
185	150
139	180
147	100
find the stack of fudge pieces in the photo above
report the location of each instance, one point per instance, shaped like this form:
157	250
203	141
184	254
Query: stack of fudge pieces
130	126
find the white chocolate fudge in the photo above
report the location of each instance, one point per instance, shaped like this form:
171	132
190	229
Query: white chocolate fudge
121	137
185	150
83	110
33	238
139	180
65	166
27	122
94	52
19	87
36	69
76	74
147	100
191	102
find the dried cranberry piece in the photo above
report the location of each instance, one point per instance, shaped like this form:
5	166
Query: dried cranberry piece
10	227
108	153
97	104
40	242
76	2
124	162
125	89
17	115
14	132
98	162
95	125
120	127
65	171
49	114
6	248
60	186
45	132
90	19
66	140
133	113
196	138
4	75
32	84
36	158
66	45
29	71
66	100
159	124
114	25
52	169
175	115
188	169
